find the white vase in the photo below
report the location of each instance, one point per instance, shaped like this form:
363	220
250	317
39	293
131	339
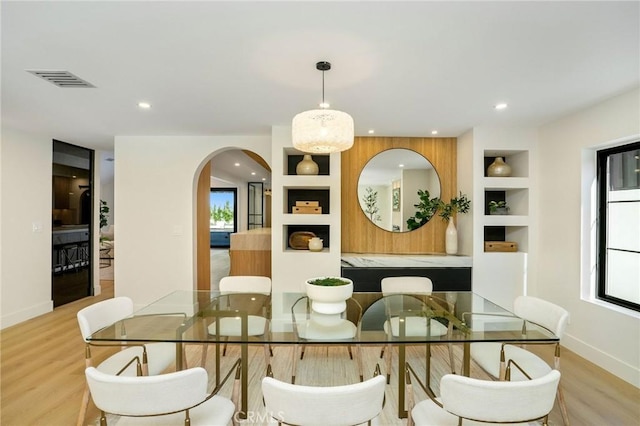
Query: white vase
315	244
307	166
451	238
329	300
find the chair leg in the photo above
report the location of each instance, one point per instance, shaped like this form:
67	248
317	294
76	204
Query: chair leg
451	361
203	358
388	354
83	407
359	361
103	418
267	354
563	407
294	364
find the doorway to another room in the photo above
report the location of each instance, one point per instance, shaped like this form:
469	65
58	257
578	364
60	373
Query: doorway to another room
237	183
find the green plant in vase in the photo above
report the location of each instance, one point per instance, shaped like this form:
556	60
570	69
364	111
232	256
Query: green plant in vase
457	205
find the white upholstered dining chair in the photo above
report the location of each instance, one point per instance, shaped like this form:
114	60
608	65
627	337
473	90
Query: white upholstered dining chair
415	325
166	399
310	326
343	405
493	357
470	401
258	325
131	359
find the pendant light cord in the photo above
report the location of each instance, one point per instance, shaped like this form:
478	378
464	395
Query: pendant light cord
323	103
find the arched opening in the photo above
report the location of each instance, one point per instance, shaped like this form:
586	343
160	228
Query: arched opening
232	196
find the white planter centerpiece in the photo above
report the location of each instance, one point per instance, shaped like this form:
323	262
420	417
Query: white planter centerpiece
329	294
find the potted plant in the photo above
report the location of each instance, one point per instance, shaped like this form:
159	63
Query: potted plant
498	207
329	294
456	205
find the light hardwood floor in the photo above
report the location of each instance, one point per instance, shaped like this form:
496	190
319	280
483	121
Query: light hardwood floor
42	375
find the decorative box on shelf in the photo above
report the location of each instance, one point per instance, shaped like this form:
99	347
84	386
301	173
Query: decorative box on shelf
307	207
501	246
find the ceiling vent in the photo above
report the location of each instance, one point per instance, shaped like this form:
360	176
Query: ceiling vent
62	79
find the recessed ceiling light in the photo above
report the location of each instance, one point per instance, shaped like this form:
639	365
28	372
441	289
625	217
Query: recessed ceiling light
400	165
500	106
237	164
371	131
434	132
144	105
263	179
253	173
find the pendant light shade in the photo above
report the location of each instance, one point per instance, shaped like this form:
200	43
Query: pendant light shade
321	131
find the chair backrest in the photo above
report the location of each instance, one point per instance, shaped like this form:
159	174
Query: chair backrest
415	285
245	284
541	312
499	401
147	395
101	314
330	405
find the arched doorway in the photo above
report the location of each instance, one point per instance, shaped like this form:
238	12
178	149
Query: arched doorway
237	171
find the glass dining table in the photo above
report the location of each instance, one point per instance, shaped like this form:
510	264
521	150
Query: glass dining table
201	317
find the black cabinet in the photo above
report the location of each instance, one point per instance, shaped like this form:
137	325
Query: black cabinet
444	279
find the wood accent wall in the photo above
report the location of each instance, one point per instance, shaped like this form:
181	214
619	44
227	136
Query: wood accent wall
359	235
203	251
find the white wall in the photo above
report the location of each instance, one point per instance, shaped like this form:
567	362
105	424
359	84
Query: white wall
25	254
607	337
155	182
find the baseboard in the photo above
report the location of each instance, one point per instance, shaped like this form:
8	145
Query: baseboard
26	314
621	369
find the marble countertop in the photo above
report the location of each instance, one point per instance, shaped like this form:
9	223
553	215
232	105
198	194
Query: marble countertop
374	260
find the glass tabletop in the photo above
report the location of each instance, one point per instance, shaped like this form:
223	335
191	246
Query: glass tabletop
368	318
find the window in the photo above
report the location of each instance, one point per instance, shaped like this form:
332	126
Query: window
618	267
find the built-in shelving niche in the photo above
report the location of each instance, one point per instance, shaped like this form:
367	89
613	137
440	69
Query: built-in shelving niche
518	160
321	231
293	158
306	194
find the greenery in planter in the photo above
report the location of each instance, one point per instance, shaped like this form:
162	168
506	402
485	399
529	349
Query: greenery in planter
459	204
495	205
328	281
427	207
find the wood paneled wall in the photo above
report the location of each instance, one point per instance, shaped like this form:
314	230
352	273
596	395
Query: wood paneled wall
359	235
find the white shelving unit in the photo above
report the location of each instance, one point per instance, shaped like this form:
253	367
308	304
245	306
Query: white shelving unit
290	268
501	276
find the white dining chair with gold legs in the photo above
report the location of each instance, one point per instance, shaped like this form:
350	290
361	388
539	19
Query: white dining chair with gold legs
469	401
415	325
492	357
131	359
258	325
343	405
167	399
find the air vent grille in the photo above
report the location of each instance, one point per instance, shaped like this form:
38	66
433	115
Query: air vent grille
62	79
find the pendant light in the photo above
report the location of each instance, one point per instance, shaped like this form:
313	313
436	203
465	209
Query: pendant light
323	130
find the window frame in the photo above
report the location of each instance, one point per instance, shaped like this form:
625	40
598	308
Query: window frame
602	157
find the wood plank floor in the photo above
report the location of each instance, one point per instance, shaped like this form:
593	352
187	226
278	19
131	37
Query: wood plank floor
42	375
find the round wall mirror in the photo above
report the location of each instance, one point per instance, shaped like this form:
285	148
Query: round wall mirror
390	186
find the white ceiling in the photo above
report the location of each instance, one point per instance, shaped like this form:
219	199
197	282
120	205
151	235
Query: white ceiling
400	68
